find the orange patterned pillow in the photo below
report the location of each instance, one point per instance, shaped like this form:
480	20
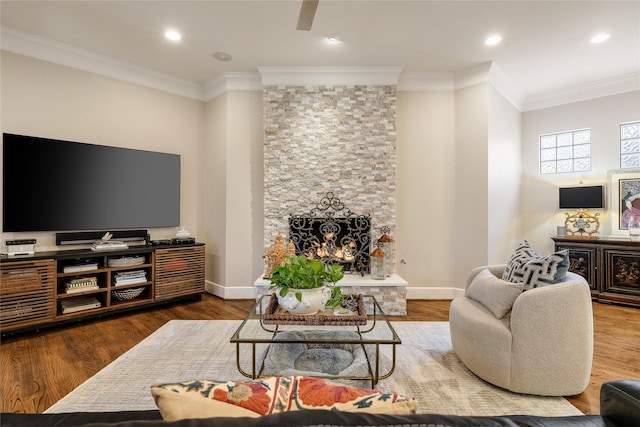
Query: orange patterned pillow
280	394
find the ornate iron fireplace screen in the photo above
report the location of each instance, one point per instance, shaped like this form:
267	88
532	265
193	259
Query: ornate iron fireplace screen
333	232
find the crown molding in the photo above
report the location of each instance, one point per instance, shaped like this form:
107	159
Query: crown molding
505	87
416	82
33	46
329	76
230	82
30	45
605	87
471	76
489	72
482	73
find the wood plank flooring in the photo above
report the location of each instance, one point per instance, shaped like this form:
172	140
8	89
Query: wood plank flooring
39	368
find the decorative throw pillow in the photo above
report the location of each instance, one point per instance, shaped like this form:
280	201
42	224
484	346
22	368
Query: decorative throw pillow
495	294
534	270
175	406
278	394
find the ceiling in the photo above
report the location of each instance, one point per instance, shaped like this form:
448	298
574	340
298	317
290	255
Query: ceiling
545	44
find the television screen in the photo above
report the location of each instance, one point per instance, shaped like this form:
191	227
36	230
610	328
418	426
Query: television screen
582	197
53	185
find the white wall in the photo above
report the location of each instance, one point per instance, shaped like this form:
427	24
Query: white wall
213	219
233	192
425	200
471	185
539	193
39	98
458	180
504	140
244	201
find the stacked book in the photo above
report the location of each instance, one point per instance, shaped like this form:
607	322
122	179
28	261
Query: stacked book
130	277
75	304
81	284
80	267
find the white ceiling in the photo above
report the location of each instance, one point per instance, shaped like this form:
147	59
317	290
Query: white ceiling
545	45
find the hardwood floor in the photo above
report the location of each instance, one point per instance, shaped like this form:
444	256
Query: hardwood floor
39	368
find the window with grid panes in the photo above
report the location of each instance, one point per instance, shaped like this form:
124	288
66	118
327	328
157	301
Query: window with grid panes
630	145
564	152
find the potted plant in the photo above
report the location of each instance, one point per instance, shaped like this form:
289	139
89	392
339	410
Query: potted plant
305	286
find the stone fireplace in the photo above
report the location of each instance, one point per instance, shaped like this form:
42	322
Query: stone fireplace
338	140
321	139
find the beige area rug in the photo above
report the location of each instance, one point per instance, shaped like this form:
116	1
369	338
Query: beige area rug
181	350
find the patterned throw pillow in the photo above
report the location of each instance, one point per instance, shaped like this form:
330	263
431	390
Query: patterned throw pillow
277	394
534	270
174	406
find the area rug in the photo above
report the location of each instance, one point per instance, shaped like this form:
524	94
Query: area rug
427	369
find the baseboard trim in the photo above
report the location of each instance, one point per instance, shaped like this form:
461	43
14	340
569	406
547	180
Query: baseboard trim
434	293
249	292
229	292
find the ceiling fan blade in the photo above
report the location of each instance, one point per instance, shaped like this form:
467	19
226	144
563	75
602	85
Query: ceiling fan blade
307	12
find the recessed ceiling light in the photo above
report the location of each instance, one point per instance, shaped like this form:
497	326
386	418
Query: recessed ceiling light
334	38
172	35
599	38
493	40
222	56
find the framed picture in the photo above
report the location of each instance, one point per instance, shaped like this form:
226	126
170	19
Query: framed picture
624	199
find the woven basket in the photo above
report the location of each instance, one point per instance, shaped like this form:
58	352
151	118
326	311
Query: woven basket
127	294
277	315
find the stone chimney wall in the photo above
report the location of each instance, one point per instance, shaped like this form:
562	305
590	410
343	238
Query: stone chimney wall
320	139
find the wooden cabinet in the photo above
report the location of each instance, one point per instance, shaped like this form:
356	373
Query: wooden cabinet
620	275
611	267
583	260
27	291
179	271
54	287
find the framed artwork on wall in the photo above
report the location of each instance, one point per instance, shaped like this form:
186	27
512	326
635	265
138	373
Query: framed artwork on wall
624	200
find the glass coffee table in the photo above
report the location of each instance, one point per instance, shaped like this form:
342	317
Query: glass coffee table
326	346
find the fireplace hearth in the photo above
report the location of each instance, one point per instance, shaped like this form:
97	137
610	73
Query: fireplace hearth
333	233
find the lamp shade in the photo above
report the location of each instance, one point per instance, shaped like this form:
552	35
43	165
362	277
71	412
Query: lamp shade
581	197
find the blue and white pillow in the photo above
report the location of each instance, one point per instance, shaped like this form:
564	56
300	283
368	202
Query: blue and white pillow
534	270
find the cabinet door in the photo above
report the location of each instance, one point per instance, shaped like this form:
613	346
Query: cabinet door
622	271
27	293
583	260
179	272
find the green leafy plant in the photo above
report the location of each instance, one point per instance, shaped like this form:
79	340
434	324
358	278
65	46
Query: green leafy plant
302	273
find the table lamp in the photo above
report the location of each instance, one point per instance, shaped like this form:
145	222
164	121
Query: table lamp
581	224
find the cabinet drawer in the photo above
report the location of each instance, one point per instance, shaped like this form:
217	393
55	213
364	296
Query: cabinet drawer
27	293
583	261
178	272
622	271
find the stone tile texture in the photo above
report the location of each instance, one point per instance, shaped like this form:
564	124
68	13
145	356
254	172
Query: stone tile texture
320	139
338	139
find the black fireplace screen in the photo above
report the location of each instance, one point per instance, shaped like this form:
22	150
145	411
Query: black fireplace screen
343	239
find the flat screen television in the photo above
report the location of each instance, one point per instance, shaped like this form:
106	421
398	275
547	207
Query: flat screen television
591	197
54	185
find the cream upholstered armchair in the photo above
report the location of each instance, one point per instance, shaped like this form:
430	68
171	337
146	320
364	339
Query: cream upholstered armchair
542	345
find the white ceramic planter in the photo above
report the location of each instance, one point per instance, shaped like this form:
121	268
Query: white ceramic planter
313	300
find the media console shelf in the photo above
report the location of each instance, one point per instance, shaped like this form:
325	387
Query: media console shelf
611	267
92	282
53	287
